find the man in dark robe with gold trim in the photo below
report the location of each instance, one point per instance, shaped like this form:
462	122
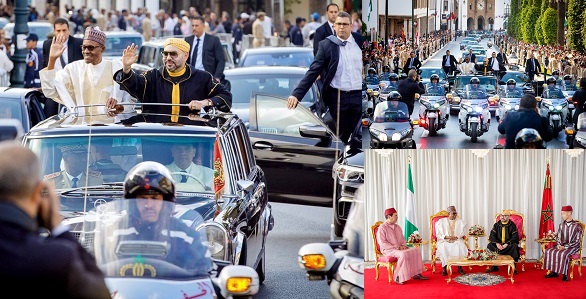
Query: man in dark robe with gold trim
504	239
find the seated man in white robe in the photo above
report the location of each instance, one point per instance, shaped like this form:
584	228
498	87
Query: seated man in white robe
451	233
85	82
196	178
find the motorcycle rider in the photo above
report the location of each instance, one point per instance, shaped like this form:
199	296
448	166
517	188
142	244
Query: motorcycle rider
475	84
529	138
526	117
372	78
394	80
556	74
511	84
385	76
567	83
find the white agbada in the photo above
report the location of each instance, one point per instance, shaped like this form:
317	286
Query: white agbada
445	227
81	83
467	68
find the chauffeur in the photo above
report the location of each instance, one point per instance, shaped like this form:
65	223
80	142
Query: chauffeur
74	175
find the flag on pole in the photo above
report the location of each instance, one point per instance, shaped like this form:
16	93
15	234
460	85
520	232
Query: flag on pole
410	224
218	173
370	9
546	221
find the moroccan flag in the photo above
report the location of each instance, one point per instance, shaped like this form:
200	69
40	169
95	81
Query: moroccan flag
218	170
410	224
546	220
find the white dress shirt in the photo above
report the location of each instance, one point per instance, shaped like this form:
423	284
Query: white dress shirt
349	73
205	175
199	62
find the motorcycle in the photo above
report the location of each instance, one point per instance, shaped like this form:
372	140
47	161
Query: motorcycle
341	262
576	137
554	106
158	267
372	94
391	126
509	101
434	109
474	115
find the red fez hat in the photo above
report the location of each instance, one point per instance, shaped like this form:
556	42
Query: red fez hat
390	211
567	209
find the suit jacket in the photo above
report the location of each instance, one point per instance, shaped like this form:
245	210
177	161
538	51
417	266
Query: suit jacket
452	62
529	66
515	121
416	64
502	58
212	56
472	57
501	64
321	33
73	50
56	265
324	64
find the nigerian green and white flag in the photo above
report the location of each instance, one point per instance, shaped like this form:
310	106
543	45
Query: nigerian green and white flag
410	223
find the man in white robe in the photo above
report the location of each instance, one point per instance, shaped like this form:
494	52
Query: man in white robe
85	82
451	234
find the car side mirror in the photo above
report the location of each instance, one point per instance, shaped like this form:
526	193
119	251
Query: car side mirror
313	131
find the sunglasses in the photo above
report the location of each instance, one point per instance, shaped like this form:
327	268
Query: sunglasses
167	53
90	48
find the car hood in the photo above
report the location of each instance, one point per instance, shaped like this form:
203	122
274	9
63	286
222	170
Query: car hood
354	157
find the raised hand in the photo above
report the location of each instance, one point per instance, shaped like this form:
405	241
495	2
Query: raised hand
58	46
129	56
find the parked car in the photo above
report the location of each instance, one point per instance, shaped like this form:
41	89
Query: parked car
233	201
149	55
274	56
41	29
23	104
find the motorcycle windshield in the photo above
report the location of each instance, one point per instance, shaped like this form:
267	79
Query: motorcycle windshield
391	87
554	93
474	94
571	87
434	90
140	238
514	93
391	111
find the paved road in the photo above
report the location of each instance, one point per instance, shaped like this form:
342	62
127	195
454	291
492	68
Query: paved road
451	137
295	225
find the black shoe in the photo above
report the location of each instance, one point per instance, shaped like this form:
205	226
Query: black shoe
551	274
460	270
565	277
492	269
515	272
445	271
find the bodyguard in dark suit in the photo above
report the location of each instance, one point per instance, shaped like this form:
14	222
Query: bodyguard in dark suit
497	64
526	117
412	63
449	63
342	82
327	28
409	87
57	265
73	53
472	56
206	54
532	67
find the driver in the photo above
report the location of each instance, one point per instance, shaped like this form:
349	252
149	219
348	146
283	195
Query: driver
183	155
372	78
75	164
529	139
151	185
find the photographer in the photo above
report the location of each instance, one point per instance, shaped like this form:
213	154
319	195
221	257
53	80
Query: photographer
409	87
526	117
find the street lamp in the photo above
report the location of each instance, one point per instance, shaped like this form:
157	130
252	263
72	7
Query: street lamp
413	24
18	41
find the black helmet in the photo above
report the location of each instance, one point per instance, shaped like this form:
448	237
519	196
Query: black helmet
567	78
474	80
555	73
394	95
386	68
434	77
149	177
551	80
529	138
371	71
512	82
394	77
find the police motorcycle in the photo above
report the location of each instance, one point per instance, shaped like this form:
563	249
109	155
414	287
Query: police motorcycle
529	138
474	115
340	262
391	126
554	106
489	44
372	91
569	88
576	137
169	259
387	87
510	98
434	109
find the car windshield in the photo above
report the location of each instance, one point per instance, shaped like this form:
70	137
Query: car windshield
118	236
426	73
65	161
300	59
518	77
40	31
281	85
115	45
11	109
434	90
391	111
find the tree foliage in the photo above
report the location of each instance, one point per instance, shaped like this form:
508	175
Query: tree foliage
549	26
529	25
538	31
575	24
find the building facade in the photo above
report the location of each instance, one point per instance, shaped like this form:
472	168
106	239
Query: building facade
475	14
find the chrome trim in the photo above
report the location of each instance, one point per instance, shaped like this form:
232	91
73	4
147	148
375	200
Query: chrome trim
221	227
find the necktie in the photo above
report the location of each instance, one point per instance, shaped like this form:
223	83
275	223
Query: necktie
183	177
344	43
194	57
411	63
74	182
533	64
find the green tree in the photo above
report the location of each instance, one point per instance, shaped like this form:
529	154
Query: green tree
575	24
530	21
538	31
549	26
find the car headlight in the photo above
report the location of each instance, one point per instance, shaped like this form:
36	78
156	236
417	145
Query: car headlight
369	90
375	93
347	173
457	99
217	239
516	107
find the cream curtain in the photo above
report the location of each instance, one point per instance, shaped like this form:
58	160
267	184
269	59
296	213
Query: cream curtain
479	183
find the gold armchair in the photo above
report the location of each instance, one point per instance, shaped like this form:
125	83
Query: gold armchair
433	238
576	258
519	220
382	260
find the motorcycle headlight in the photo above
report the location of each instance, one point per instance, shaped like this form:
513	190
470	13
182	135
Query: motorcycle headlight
478	109
396	137
347	173
436	105
516	107
425	102
508	107
382	136
558	107
217	239
457	99
369	90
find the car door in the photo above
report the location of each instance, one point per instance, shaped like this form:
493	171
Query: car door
295	149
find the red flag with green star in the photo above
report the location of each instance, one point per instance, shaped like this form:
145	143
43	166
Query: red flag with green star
546	220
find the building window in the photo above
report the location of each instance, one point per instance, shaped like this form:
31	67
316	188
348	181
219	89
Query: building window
445	5
470	6
490	6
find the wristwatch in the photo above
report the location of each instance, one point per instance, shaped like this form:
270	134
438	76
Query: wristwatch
210	103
